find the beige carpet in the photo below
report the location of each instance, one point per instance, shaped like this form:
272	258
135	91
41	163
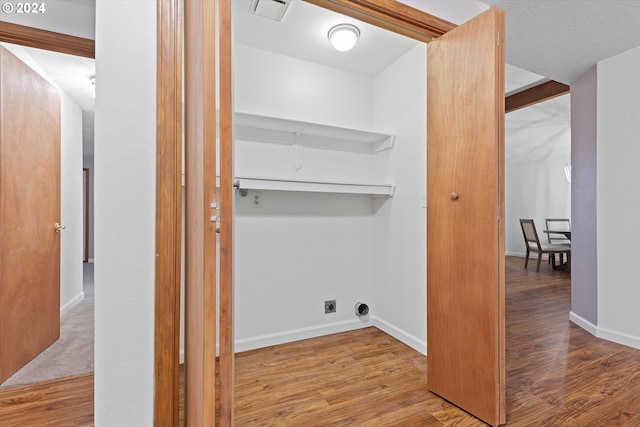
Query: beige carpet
72	354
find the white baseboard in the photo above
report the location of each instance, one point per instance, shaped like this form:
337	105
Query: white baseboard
532	256
298	334
583	323
518	254
618	337
283	337
604	333
75	301
331	328
401	335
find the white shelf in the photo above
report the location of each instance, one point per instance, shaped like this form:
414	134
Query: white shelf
252	183
283	131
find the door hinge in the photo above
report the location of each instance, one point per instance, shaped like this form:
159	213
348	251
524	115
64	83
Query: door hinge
498	38
499	215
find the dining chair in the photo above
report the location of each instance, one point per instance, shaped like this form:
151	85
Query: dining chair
533	244
560	224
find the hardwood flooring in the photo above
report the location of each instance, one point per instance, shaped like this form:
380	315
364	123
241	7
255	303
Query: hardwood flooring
557	375
63	402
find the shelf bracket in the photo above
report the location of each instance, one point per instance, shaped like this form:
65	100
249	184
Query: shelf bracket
297	154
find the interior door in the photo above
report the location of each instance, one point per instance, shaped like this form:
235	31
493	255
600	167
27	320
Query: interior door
465	233
29	208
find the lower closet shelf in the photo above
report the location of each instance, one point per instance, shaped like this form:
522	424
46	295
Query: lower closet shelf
275	184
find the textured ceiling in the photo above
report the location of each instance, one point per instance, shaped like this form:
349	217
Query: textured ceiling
562	39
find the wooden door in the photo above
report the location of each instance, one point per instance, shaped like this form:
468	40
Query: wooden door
465	234
29	208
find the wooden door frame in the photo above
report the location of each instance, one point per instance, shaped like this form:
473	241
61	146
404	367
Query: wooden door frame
169	128
47	40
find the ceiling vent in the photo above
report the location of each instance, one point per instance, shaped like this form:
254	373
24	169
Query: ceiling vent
272	9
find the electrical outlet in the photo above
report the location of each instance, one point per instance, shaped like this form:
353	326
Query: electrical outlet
330	306
256	200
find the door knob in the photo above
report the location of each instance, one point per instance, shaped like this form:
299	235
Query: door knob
454	196
58	228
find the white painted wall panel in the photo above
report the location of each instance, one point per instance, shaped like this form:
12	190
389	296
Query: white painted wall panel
299	249
399	287
618	206
125	141
71	238
275	85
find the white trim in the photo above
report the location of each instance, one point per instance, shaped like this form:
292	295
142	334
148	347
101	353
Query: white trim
75	301
401	335
284	337
532	256
297	334
331	328
618	337
283	184
604	333
583	323
517	254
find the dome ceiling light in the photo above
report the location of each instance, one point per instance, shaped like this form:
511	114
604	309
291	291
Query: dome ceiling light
343	37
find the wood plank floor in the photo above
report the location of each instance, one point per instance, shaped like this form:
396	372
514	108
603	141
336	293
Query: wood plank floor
557	375
64	402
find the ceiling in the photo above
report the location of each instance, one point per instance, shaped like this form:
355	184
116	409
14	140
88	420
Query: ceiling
303	34
375	50
557	39
562	39
545	39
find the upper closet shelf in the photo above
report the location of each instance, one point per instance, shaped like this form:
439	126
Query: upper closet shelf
252	183
271	129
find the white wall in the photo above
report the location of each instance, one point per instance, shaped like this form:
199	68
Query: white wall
125	142
584	224
618	206
537	147
281	86
399	287
300	249
71	238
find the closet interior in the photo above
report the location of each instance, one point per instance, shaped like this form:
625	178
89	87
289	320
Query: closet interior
329	165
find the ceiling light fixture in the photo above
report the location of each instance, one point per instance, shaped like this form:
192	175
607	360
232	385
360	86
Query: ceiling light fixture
344	36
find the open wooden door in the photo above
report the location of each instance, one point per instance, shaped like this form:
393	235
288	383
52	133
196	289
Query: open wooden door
465	232
29	210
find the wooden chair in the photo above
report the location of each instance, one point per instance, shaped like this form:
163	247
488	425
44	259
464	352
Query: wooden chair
533	244
558	238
